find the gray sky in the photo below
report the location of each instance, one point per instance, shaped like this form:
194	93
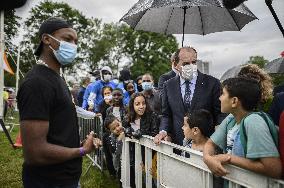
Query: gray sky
223	50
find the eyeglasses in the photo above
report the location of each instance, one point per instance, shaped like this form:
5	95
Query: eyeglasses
146	81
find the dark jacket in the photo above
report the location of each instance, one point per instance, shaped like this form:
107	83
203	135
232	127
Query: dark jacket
80	96
103	108
154	101
122	111
164	77
149	124
278	89
205	96
277	107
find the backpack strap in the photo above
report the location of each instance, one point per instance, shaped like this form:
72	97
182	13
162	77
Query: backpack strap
272	127
231	123
269	123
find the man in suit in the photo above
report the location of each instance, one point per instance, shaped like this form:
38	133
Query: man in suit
189	91
164	77
277	107
278	89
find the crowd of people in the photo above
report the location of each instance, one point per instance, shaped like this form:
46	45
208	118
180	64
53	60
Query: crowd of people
223	120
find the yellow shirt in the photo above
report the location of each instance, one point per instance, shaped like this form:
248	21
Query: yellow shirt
5	95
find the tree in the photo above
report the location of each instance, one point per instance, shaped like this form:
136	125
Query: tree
150	52
258	60
87	30
11	22
101	44
141	51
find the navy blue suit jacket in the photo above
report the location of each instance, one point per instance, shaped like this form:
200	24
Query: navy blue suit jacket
277	107
205	96
165	77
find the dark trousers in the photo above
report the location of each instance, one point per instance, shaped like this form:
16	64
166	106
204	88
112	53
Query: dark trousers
33	182
108	154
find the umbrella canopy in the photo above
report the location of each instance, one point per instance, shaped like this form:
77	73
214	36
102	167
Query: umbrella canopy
232	72
186	16
275	67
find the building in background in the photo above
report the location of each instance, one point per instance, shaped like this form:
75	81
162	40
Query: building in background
204	66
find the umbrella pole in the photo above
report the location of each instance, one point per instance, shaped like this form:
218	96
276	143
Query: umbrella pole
269	4
183	25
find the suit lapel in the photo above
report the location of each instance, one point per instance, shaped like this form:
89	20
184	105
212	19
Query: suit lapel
198	90
177	93
173	74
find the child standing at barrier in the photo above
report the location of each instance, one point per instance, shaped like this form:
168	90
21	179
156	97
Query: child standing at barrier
140	121
197	128
117	109
248	138
113	125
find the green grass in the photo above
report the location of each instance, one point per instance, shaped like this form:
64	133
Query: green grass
11	166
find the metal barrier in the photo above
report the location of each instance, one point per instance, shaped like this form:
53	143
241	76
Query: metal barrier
176	171
86	125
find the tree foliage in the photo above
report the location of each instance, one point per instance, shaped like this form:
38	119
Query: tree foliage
11	25
140	51
258	60
87	30
114	44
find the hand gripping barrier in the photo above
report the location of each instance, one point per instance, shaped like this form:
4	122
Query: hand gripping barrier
176	171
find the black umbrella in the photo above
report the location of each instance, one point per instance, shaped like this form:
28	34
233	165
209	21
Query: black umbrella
232	72
186	17
275	67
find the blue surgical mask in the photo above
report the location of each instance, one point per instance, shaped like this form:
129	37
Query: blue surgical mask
147	85
66	52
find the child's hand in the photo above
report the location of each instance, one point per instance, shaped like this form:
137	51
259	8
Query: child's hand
97	142
223	158
98	114
215	164
121	136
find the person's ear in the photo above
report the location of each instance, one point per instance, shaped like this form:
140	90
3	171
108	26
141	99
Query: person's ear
195	131
46	39
235	102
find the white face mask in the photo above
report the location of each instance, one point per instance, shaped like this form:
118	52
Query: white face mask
107	77
188	72
109	97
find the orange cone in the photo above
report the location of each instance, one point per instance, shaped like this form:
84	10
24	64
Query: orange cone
18	142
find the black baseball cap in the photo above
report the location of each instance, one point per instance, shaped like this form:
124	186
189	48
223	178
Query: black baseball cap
49	26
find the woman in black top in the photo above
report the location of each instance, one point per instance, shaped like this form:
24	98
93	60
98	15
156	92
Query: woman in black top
140	120
140	117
